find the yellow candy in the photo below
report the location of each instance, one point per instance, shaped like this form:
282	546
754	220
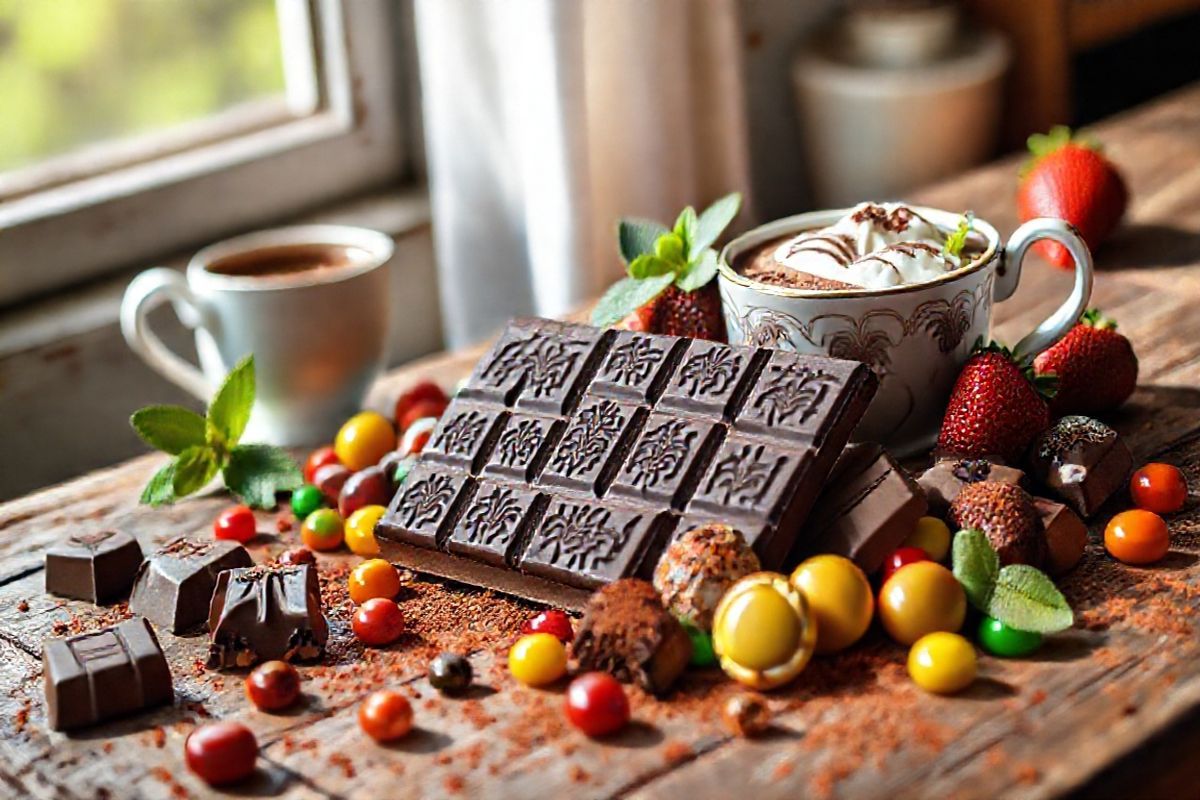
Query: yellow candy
360	530
763	633
921	598
537	659
942	663
839	598
363	440
932	536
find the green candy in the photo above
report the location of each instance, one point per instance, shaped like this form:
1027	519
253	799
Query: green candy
306	500
1001	640
324	522
702	646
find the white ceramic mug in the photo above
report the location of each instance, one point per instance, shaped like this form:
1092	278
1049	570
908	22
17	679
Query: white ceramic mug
319	336
915	337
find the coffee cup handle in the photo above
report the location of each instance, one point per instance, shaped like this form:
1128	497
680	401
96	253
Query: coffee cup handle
1065	316
145	293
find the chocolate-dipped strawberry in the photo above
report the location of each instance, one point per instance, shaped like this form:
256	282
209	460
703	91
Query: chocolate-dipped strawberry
1006	515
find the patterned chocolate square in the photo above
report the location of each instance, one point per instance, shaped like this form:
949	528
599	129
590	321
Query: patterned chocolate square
667	460
587	455
465	435
709	379
794	396
522	448
426	508
637	366
494	520
588	544
749	478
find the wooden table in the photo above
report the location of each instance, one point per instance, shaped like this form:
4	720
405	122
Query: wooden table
1111	707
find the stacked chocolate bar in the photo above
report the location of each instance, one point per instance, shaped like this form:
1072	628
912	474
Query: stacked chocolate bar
573	454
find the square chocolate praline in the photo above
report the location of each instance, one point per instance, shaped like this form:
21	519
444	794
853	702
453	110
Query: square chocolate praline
524	444
465	435
637	367
175	584
667	460
709	380
98	567
795	395
425	509
493	521
750	479
588	452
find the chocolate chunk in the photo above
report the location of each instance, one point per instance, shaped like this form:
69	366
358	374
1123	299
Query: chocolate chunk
494	521
175	585
99	676
1066	535
1082	460
867	512
266	613
98	567
638	366
944	480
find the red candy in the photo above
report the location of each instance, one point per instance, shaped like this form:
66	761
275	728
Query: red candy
367	487
426	408
221	752
378	622
237	523
1160	488
321	457
298	555
596	704
330	479
273	685
902	557
425	392
552	621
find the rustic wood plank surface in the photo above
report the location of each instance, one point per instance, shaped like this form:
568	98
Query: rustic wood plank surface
1110	708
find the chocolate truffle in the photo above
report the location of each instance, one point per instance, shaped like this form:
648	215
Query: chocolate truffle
98	567
174	586
266	613
627	633
698	567
944	480
1081	460
1066	535
1005	513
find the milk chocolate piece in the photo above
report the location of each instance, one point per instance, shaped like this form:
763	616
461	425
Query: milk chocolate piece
1066	535
98	567
174	586
1082	460
266	613
867	512
99	676
944	480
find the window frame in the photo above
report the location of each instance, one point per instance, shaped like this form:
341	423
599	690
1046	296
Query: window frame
242	168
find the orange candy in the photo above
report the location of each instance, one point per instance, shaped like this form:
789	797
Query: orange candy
373	578
1137	536
1160	488
385	716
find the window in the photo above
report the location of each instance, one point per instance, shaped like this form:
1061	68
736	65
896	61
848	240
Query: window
131	127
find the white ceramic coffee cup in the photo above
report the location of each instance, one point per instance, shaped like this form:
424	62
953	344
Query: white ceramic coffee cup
319	337
915	337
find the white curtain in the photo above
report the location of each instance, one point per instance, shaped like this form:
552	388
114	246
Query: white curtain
546	120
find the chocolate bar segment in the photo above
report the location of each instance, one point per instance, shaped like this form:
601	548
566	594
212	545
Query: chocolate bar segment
494	521
465	436
591	447
523	447
794	395
98	567
174	586
266	613
638	366
665	462
99	676
710	379
1082	460
427	505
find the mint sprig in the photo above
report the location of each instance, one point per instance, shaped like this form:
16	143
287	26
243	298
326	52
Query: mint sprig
956	241
657	257
1020	596
206	445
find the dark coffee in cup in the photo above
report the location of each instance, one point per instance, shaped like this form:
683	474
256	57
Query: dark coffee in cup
288	260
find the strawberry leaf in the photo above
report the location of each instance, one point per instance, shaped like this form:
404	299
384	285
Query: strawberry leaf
1094	318
1043	144
636	237
713	222
626	296
699	272
648	266
685	227
1025	599
976	566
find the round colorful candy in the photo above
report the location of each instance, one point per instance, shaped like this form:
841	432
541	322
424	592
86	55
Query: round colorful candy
396	466
363	440
423	409
746	714
221	753
942	663
378	622
322	529
297	555
921	598
839	598
373	578
416	436
367	487
537	659
385	716
596	704
702	646
763	633
552	621
901	557
450	673
273	685
330	479
236	523
306	499
1160	488
422	392
1137	536
321	457
1005	642
931	535
360	530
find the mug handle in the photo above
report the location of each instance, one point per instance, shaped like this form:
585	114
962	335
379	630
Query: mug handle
1065	316
145	293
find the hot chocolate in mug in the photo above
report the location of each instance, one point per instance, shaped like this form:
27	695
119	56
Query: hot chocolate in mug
309	302
916	336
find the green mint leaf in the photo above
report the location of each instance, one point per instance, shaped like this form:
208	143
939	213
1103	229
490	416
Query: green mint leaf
685	227
256	472
636	237
713	222
161	488
626	296
976	566
956	241
1025	599
649	266
171	429
669	248
230	408
699	272
194	468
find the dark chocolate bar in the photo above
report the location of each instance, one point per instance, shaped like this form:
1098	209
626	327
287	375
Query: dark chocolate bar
174	586
266	613
102	675
1082	460
98	567
572	454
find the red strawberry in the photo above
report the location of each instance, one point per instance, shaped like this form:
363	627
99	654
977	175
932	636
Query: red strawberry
995	407
1095	366
696	314
1072	180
